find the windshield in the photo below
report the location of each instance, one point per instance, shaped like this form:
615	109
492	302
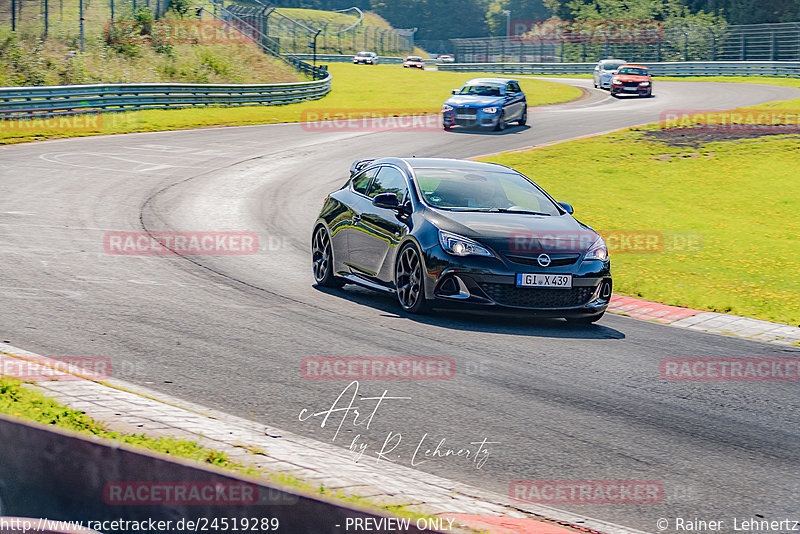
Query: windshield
482	90
413	58
633	71
364	54
611	66
483	190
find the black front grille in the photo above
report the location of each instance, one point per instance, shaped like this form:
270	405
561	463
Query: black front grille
534	297
630	84
556	260
467	111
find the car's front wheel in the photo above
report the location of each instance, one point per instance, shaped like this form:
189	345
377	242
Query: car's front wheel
501	122
322	259
409	280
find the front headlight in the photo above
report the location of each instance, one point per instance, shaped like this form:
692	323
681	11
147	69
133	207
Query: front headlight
461	246
615	80
490	111
446	107
644	84
598	251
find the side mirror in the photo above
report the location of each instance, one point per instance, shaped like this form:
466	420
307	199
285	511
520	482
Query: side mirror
566	207
454	91
386	200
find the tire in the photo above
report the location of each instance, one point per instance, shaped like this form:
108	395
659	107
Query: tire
409	280
501	122
322	259
523	120
585	320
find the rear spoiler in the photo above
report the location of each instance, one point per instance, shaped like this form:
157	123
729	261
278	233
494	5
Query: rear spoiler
358	165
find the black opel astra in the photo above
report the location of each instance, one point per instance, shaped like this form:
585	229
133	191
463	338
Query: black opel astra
450	233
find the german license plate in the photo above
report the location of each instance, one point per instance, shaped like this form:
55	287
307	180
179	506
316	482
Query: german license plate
563	281
463	116
630	88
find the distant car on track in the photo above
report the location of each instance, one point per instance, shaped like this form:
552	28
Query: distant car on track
633	80
446	58
486	102
450	233
604	71
366	58
414	62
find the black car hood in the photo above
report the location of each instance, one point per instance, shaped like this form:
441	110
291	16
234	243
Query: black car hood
517	233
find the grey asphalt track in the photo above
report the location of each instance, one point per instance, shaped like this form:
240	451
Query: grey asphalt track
562	402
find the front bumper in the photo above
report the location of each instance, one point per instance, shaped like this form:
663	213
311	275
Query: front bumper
490	283
470	117
631	90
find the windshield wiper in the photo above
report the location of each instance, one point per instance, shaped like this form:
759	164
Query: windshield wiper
508	210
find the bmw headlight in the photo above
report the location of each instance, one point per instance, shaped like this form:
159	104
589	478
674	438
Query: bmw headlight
644	84
461	246
490	111
447	107
598	251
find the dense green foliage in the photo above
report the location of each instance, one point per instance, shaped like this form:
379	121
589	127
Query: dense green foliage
444	19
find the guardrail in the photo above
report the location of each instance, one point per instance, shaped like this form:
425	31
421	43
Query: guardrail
345	58
26	102
780	69
348	58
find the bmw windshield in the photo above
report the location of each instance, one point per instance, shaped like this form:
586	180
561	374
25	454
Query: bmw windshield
482	90
492	191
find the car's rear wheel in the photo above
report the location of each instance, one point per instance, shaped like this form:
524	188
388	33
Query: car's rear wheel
501	122
322	259
585	320
524	119
409	280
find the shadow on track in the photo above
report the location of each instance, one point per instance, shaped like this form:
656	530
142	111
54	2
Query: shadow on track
487	321
476	130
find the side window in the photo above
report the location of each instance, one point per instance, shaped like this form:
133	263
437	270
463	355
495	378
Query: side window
361	181
513	87
389	180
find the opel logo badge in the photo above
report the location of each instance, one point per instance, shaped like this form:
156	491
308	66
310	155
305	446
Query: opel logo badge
544	260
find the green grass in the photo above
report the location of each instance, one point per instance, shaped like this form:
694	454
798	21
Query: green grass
739	196
388	89
19	401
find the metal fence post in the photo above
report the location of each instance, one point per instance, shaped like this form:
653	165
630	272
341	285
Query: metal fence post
13	15
80	11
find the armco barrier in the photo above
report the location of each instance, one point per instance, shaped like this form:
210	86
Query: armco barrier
780	69
60	475
344	58
22	102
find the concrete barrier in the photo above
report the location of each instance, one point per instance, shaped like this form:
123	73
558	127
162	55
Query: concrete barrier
51	473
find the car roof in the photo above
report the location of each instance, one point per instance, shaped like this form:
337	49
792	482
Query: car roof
440	163
612	61
498	81
634	66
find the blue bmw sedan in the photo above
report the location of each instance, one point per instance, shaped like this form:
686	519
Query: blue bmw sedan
486	102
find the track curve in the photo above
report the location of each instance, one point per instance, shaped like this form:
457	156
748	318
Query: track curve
563	402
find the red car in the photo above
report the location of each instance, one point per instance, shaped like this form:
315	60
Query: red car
414	62
632	80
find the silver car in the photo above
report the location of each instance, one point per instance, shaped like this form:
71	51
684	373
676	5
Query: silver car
604	71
